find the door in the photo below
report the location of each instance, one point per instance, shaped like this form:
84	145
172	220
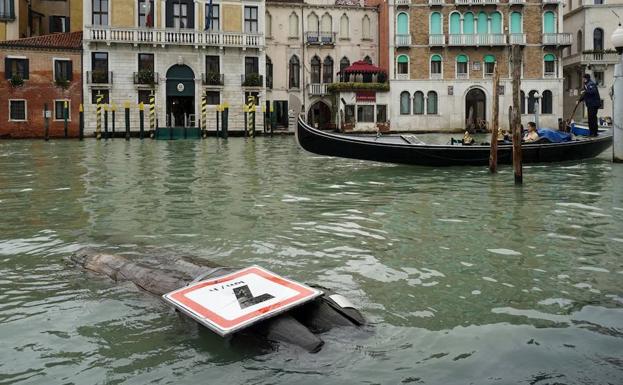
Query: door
180	96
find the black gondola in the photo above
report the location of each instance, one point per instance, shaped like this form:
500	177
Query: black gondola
406	149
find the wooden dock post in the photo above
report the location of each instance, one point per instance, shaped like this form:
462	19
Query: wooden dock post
113	108
493	156
141	120
65	116
106	121
98	116
81	123
517	162
46	124
126	107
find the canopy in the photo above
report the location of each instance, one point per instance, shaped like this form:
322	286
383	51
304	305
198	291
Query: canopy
550	57
489	59
361	67
461	59
435	58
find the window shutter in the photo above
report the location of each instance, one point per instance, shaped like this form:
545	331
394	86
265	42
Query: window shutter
70	71
66	19
26	70
7	68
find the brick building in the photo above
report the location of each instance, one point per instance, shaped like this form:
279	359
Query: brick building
38	71
443	55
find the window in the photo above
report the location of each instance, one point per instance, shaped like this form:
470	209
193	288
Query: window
146	61
402	21
496	23
16	67
59	24
431	103
312	23
435	24
315	69
269	73
326	24
532	101
327	70
403	64
213	98
405	103
365	28
7	10
483	23
468	23
63	70
144	96
549	22
365	114
213	20
293	30
598	39
17	110
418	103
522	96
349	113
251	65
580	42
516	22
103	92
461	66
180	15
344	27
367	59
59	109
546	102
489	65
381	113
268	25
250	19
455	23
295	72
344	63
146	13
435	66
550	65
99	66
100	12
599	78
213	64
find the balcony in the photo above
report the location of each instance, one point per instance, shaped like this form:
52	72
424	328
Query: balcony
517	2
552	1
436	76
320	38
557	39
402	76
403	3
517	38
99	77
317	89
477	40
145	77
476	2
436	39
462	75
403	40
164	37
600	58
213	79
435	2
252	80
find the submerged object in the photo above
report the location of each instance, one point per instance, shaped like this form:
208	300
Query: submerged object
298	326
406	149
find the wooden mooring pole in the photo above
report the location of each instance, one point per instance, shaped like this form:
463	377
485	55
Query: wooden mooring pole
493	156
81	123
516	127
126	107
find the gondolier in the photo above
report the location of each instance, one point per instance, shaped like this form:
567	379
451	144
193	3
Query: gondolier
592	100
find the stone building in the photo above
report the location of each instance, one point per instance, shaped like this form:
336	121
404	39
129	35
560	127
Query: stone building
307	43
592	23
29	18
40	71
178	50
444	52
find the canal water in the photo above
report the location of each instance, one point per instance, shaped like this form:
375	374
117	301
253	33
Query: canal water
464	277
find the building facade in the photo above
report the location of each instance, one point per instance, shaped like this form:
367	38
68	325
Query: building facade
177	50
444	52
40	73
592	23
29	18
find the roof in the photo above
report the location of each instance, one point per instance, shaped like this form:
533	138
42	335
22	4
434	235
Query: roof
69	40
362	67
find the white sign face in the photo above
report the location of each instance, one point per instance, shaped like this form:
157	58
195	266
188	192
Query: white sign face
180	87
234	301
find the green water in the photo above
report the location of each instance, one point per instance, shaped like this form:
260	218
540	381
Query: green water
464	277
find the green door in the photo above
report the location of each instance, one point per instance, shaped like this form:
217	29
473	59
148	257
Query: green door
516	22
455	24
483	23
549	22
496	23
403	24
435	23
468	23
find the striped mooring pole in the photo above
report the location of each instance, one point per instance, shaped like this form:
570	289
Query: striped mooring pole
81	123
141	120
251	117
98	117
65	116
152	115
204	116
106	108
113	108
126	107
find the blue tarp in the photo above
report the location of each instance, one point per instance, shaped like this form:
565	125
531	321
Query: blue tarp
553	136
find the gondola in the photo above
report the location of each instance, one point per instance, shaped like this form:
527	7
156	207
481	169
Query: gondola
407	149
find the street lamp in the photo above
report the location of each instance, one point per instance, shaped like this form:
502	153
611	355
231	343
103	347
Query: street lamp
617	97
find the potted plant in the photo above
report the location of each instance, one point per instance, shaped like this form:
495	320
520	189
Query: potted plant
16	80
252	80
146	76
213	79
99	76
61	82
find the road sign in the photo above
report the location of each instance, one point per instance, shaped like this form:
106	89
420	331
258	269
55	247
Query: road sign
237	300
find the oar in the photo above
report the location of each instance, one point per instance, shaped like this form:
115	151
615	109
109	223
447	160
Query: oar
572	114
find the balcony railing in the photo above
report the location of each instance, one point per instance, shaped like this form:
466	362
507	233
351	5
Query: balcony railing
517	38
600	57
252	80
402	76
435	2
477	40
320	37
145	78
213	79
403	2
462	75
557	39
99	77
552	1
436	76
517	2
549	74
476	2
317	89
403	40
164	37
436	39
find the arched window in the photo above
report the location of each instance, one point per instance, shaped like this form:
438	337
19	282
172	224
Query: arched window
405	103
435	24
344	63
326	24
483	23
365	27
598	39
489	64
327	70
496	23
549	22
431	103
461	66
418	103
435	67
402	24
295	72
367	59
523	102
312	22
531	101
293	30
549	67
546	102
403	64
455	23
580	42
570	5
269	73
344	27
468	23
268	24
315	69
516	22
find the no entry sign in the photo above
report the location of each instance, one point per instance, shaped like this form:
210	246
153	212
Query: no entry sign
234	301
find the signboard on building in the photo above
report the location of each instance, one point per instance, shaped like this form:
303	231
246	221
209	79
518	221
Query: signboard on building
365	96
237	300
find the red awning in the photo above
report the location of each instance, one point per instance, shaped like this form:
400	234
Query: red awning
361	67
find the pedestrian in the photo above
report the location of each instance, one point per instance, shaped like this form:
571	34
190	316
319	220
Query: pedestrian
592	101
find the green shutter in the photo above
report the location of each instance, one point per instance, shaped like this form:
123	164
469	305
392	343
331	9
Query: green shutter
435	58
496	23
435	23
403	59
461	59
403	24
455	23
549	22
468	23
549	57
483	23
516	22
7	68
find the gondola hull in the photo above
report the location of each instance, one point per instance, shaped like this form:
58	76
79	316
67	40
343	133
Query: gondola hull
397	149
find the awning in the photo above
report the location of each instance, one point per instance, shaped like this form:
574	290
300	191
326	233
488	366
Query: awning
361	67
